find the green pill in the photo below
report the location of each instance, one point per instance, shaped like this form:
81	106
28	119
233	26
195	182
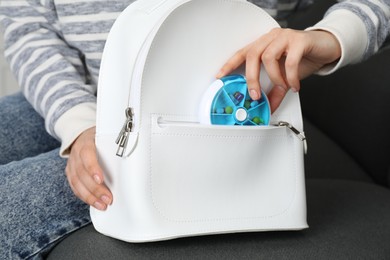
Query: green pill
257	120
228	110
247	104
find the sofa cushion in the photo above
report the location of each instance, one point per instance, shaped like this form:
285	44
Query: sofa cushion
326	159
352	107
346	218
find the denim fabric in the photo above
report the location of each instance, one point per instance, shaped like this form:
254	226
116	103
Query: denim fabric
37	206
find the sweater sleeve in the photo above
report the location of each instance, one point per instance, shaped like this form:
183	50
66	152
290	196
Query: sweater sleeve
50	73
361	26
281	9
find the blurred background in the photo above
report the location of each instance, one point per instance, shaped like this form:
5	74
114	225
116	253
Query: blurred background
8	83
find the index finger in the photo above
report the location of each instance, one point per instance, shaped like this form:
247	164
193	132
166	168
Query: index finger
88	156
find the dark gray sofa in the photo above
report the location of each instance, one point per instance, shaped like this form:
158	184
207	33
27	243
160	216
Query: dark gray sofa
348	178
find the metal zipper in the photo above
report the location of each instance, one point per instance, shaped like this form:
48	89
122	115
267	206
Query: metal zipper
123	136
127	128
297	133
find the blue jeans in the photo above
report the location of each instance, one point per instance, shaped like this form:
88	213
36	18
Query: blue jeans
37	206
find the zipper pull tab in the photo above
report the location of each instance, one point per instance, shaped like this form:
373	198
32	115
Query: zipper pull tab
297	133
123	136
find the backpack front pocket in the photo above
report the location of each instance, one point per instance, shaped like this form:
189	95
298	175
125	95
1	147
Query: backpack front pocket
213	173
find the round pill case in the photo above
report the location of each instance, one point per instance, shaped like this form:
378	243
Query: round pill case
227	102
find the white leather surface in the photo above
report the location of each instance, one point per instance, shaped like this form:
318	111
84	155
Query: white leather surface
184	178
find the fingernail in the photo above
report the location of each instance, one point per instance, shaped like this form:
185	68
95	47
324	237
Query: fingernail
99	205
219	74
97	179
106	199
295	90
254	94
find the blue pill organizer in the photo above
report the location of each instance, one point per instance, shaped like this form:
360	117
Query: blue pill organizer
227	102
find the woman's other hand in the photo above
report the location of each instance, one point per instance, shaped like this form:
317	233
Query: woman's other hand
84	174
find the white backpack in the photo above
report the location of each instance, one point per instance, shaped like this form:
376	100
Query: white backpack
170	175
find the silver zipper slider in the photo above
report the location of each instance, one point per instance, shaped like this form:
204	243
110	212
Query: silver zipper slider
123	136
297	133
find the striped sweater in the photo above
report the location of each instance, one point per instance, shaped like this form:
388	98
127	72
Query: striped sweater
54	49
361	27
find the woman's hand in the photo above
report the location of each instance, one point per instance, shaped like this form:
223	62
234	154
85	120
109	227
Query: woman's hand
288	56
84	173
